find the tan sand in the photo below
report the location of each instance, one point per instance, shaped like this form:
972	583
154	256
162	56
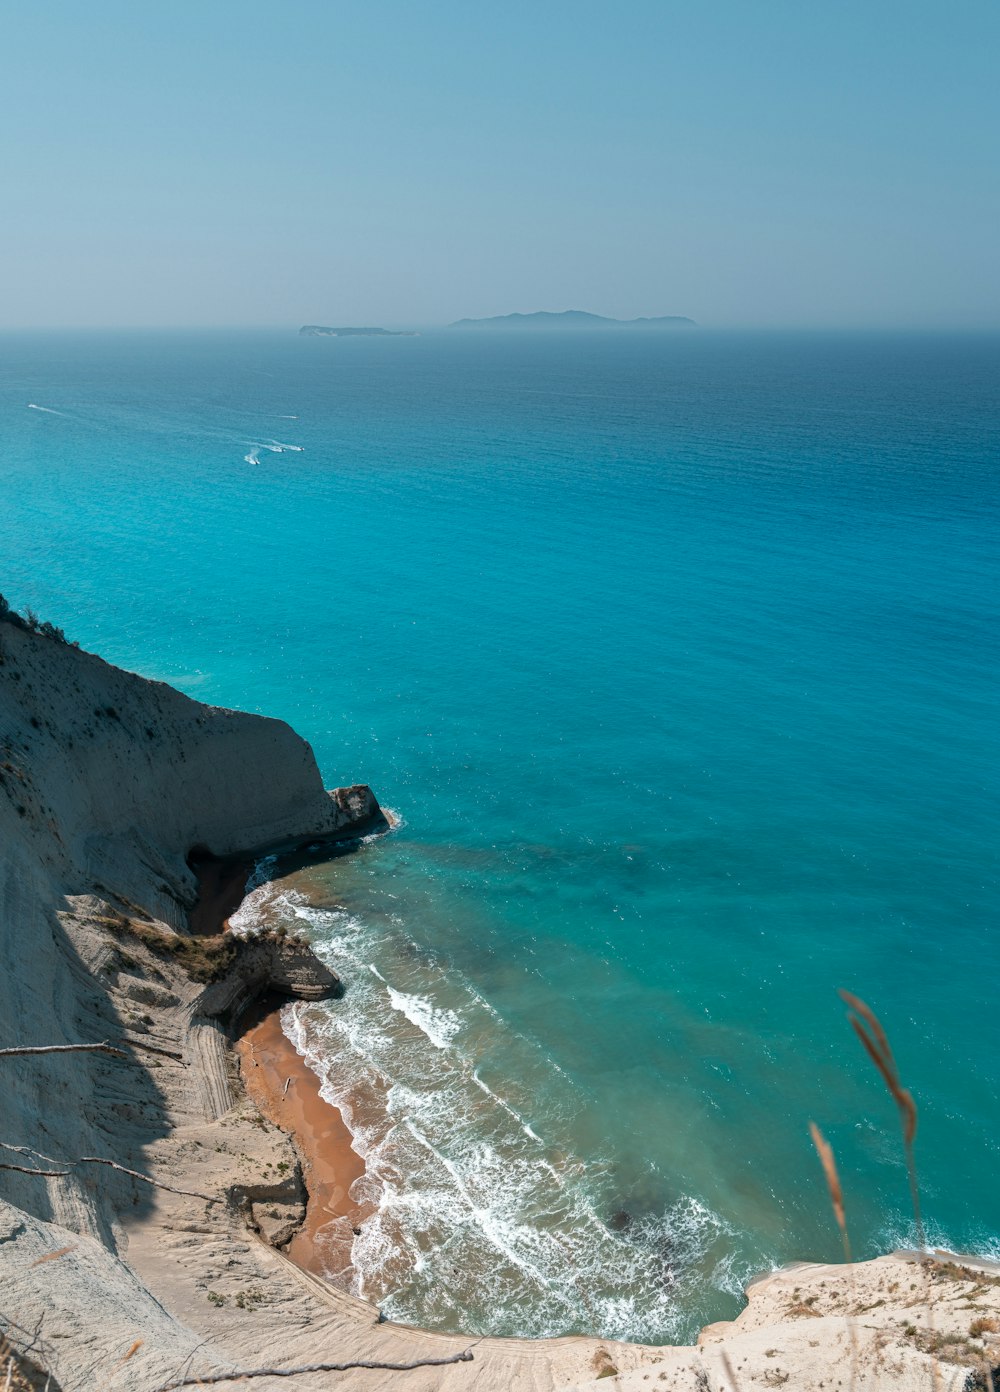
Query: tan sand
287	1091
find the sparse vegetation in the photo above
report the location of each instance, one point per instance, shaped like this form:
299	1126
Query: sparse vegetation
603	1366
203	959
21	1373
952	1347
30	622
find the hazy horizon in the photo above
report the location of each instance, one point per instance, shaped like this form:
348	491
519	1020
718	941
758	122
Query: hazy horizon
292	327
242	167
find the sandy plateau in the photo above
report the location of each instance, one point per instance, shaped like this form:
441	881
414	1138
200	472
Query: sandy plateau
108	784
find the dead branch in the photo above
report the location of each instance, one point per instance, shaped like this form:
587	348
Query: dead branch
186	1362
102	1048
95	1160
34	1339
23	1169
205	1381
156	1183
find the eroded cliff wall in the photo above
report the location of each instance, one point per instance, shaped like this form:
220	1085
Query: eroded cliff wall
107	782
112	779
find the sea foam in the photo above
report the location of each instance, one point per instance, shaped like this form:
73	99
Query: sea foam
480	1222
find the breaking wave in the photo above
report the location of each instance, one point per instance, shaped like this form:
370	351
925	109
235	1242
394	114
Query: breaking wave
485	1218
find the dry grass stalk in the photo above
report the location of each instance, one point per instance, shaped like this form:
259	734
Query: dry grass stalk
53	1256
16	1371
727	1363
876	1045
868	1028
825	1153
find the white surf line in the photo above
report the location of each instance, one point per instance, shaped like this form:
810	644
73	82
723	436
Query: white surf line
480	1216
439	1024
507	1108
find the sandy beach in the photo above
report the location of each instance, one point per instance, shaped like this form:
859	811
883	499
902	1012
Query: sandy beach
287	1092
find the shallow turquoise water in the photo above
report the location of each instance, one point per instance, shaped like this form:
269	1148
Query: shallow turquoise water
677	657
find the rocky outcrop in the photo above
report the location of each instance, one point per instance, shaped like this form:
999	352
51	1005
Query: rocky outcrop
261	965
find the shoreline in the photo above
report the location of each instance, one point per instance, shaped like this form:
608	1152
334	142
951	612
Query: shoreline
287	1092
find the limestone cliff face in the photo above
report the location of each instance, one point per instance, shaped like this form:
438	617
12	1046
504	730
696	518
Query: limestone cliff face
112	780
107	783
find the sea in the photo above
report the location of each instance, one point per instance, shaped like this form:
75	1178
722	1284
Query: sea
675	657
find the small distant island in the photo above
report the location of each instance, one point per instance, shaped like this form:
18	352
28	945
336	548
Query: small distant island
572	319
320	331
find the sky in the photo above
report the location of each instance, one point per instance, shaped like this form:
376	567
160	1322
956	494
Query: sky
766	163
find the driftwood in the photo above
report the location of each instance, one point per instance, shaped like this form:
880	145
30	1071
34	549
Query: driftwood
102	1048
207	1380
93	1160
23	1169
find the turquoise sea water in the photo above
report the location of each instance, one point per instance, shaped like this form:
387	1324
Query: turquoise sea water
677	656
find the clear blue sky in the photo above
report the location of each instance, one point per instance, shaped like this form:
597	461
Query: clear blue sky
771	162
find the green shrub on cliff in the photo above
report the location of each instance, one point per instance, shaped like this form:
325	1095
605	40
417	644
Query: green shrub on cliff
30	622
204	959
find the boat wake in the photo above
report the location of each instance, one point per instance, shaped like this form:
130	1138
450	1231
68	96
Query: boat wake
273	447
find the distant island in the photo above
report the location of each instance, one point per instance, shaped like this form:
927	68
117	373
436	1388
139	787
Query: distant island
320	331
574	319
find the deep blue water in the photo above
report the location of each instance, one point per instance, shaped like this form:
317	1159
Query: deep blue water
678	658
